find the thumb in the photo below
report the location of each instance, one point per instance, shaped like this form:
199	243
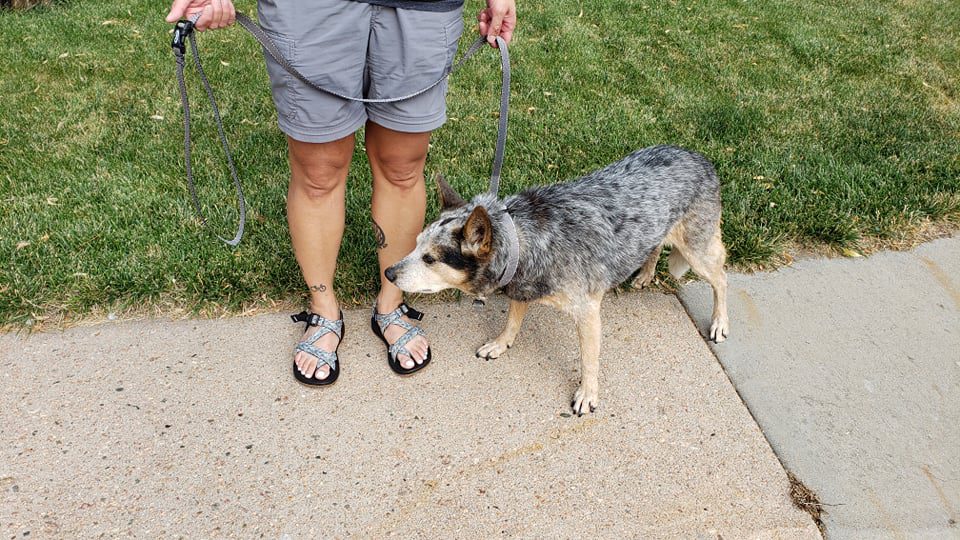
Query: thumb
496	23
177	9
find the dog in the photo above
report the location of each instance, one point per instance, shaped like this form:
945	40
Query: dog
571	242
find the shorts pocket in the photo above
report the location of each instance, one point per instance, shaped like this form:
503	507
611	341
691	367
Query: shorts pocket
451	35
283	85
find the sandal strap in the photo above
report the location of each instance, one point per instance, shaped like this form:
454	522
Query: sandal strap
325	326
395	317
326	357
400	346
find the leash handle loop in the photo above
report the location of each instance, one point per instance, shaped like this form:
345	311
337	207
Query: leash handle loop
183	32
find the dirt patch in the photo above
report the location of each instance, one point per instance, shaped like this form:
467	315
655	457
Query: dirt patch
805	499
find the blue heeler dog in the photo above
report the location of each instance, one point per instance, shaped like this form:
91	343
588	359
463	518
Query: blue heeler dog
567	244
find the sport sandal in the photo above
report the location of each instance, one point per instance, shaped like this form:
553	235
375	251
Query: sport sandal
323	357
379	323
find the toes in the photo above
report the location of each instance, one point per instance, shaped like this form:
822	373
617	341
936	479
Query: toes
322	372
308	367
406	362
491	350
298	360
719	331
584	402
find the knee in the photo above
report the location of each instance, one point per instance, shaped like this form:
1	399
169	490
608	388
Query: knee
319	177
401	172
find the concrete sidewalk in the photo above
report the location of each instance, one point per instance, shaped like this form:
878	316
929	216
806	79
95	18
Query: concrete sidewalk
158	429
852	369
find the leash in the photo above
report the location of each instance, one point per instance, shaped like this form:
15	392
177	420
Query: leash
184	33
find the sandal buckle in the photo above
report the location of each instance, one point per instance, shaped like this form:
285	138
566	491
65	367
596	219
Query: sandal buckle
410	312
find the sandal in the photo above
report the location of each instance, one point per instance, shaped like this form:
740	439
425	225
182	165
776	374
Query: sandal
379	323
325	357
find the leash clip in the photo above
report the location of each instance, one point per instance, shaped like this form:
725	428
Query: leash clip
180	33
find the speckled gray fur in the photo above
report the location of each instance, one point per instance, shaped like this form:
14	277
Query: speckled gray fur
591	234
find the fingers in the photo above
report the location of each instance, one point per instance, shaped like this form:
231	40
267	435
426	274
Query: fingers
214	14
224	14
177	10
498	19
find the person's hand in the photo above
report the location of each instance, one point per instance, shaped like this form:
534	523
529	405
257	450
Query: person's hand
498	19
215	13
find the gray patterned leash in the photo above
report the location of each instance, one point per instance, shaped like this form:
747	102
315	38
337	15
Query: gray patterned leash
183	32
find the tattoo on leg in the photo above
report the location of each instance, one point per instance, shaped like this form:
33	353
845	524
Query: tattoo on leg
320	288
381	238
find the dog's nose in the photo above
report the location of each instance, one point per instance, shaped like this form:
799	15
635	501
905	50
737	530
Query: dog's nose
391	274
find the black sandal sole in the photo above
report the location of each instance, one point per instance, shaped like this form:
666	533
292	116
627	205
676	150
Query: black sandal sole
393	362
334	373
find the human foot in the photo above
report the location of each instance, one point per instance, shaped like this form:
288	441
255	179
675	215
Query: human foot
317	349
408	349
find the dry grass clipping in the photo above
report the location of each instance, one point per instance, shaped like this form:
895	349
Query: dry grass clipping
805	499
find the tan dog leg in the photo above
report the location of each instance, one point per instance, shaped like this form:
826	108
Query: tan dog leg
645	277
503	342
709	265
587	317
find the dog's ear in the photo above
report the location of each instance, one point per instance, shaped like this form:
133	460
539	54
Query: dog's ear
477	234
449	198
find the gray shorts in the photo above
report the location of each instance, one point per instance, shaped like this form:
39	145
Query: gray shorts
358	49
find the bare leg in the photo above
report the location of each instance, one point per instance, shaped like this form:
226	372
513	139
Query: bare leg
503	342
315	214
398	208
587	317
645	277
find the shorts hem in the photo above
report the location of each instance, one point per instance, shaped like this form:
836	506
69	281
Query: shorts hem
405	125
303	134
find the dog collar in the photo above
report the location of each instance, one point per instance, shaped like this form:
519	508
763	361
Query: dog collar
513	251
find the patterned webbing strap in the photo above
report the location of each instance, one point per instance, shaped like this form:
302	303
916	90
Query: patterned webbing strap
395	317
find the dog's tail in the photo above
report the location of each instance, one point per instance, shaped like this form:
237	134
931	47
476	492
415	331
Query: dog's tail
677	264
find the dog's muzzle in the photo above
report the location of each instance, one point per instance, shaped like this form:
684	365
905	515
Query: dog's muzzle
391	274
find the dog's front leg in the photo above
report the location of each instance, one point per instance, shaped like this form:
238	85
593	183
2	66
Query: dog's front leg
587	317
503	342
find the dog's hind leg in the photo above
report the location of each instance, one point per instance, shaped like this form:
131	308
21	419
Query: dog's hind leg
707	257
647	271
503	342
587	317
677	264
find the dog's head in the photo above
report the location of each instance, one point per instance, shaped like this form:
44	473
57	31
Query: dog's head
454	252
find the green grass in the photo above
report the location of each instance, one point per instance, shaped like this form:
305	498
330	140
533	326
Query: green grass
831	123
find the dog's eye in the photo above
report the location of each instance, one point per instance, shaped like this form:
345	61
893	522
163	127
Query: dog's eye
428	258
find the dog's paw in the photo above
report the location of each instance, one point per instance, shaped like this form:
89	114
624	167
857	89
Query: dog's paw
492	350
719	330
585	401
642	281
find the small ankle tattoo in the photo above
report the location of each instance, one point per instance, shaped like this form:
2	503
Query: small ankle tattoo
318	288
381	238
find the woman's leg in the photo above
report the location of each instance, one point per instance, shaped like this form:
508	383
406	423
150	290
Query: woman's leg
398	208
315	214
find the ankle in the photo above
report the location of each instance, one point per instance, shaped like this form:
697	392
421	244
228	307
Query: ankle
388	301
326	306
